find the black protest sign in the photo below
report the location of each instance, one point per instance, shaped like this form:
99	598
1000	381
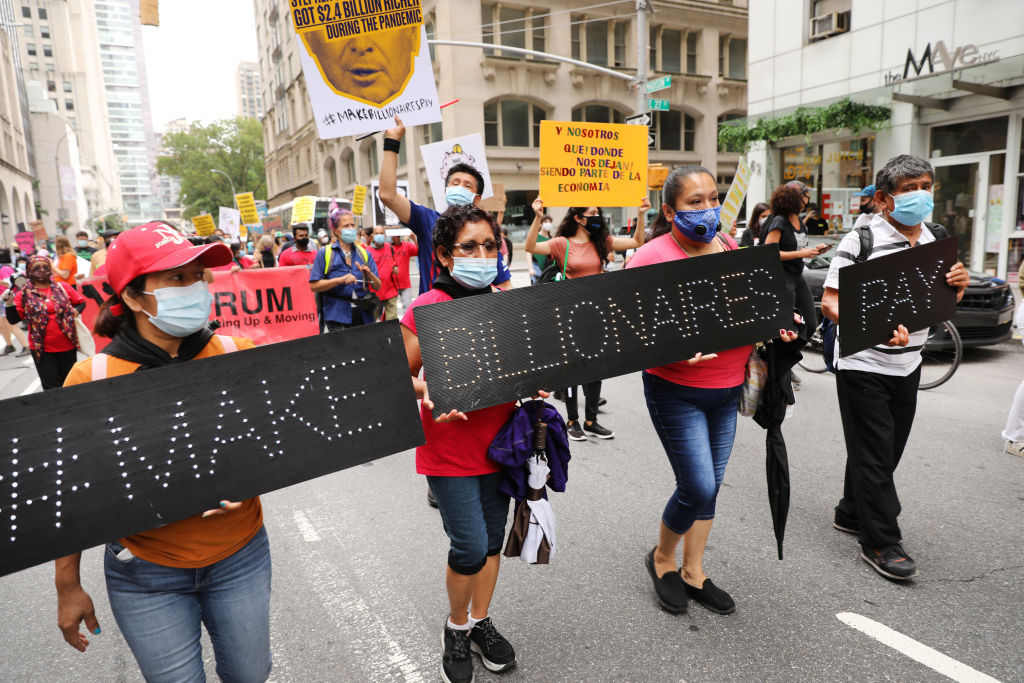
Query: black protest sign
480	351
98	461
907	287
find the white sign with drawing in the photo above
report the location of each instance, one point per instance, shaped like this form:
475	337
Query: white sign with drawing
439	157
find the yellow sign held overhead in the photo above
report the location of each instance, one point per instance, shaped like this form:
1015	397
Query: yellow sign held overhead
204	225
592	164
737	191
247	208
302	209
359	200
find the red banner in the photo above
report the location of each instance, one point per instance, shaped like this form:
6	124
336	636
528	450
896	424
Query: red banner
266	305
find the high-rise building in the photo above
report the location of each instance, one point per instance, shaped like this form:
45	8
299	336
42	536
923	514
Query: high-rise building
127	96
700	45
247	89
17	205
170	186
60	62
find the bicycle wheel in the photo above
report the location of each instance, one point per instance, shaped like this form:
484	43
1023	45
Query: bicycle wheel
813	359
941	355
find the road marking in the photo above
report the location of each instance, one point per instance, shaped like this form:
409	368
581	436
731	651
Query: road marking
919	652
32	388
306	528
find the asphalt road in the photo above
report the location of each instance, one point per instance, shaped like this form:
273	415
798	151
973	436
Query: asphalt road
359	560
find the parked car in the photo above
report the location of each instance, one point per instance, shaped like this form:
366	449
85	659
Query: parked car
984	316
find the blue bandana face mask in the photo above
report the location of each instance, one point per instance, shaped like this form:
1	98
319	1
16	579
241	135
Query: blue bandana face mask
457	195
912	207
474	273
699	225
180	311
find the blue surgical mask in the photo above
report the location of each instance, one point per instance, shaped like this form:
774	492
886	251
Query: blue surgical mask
180	311
348	235
379	240
457	195
83	243
699	225
474	273
912	207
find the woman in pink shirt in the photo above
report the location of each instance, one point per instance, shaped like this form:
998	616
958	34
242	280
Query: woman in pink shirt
692	403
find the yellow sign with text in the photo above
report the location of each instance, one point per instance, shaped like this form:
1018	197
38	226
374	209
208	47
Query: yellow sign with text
359	200
302	209
592	164
204	225
247	208
737	192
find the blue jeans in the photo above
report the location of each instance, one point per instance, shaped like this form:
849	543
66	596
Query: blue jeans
159	610
697	427
474	513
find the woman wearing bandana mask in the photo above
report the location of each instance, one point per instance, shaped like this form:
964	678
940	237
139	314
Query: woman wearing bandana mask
159	316
692	403
583	239
49	309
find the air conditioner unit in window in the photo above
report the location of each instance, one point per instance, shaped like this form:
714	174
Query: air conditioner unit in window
829	24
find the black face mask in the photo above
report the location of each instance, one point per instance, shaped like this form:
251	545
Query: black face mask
866	208
302	242
594	224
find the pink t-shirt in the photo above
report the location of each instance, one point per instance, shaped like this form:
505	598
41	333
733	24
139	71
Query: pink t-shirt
718	373
456	449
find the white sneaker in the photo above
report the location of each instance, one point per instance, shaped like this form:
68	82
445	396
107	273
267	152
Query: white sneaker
1015	448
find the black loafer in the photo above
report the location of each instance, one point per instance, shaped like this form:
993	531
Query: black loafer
712	597
669	588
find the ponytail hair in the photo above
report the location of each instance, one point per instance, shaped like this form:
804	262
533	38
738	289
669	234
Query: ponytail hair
670	192
109	322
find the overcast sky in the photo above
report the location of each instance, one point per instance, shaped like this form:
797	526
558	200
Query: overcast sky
192	56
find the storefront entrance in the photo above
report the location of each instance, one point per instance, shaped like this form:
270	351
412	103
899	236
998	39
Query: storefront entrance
963	197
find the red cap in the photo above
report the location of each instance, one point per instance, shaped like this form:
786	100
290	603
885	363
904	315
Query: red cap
153	247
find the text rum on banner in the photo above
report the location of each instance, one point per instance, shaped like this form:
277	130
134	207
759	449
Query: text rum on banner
737	192
592	164
439	157
203	224
247	208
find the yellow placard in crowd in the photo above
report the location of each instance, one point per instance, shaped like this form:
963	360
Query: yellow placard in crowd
247	207
359	200
302	209
737	191
204	225
592	164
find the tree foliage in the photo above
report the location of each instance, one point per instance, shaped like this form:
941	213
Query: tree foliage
234	146
805	121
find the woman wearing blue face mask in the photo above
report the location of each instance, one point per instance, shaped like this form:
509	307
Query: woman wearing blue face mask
212	568
692	403
581	247
344	272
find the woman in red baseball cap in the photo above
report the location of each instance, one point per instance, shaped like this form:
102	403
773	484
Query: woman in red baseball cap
213	567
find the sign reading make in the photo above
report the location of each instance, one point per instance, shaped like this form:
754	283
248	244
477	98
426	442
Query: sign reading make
942	57
905	288
480	351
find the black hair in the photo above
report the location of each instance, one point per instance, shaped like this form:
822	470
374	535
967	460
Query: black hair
5	256
466	168
787	200
754	224
107	324
899	168
568	227
670	193
449	223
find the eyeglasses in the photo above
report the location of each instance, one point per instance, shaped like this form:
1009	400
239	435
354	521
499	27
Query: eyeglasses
469	248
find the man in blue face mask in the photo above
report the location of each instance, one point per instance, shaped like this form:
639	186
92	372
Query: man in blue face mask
343	272
877	387
464	185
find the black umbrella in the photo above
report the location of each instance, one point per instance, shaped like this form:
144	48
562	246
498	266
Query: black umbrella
776	395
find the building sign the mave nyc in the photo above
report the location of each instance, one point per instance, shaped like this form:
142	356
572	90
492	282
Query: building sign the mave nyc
937	58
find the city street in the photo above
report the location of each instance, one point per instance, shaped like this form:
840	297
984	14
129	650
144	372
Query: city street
359	561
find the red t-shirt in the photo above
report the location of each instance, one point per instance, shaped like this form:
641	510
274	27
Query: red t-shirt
54	341
583	257
293	257
404	252
385	271
723	372
456	449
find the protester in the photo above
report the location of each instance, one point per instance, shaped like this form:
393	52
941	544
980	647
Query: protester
100	257
538	262
404	251
454	458
464	185
323	237
280	238
7	330
49	308
815	224
583	236
506	248
239	258
877	387
867	207
302	252
349	275
212	568
263	255
66	267
82	247
760	214
692	403
383	254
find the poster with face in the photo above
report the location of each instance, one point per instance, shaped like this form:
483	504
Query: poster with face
365	62
440	157
382	215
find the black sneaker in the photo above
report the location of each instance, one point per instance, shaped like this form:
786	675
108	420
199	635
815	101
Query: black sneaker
495	652
598	431
431	500
602	402
891	562
846	527
456	664
24	352
7	350
712	597
574	432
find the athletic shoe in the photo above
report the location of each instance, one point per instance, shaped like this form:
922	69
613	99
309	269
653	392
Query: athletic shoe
24	352
598	431
9	349
495	652
1015	448
574	432
668	588
890	561
602	402
456	664
712	597
845	526
431	500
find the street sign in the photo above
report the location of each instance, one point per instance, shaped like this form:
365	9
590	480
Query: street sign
658	105
658	84
644	119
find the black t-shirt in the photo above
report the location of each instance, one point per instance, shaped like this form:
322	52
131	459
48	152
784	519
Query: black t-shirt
816	226
789	240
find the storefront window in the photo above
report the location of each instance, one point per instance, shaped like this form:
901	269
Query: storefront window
835	172
987	135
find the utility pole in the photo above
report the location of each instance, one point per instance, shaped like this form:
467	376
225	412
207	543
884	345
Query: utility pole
642	54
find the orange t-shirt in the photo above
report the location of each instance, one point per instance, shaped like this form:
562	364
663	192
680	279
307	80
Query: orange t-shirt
192	542
68	262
